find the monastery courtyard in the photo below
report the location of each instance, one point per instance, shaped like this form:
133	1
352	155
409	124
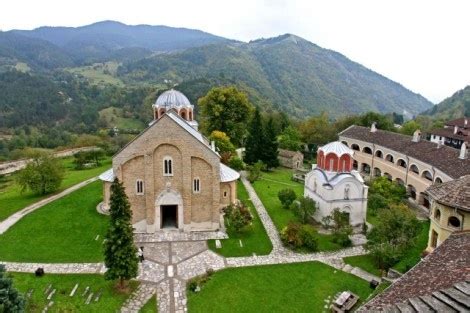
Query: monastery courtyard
173	257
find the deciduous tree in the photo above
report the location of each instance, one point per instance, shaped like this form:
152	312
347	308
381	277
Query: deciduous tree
42	175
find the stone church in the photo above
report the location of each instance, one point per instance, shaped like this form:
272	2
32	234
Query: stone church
172	174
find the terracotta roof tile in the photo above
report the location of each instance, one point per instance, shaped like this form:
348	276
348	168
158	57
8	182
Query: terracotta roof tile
455	193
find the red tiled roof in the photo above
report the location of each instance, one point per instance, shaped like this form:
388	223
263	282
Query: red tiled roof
455	193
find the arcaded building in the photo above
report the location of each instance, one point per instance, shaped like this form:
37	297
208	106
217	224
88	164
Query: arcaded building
333	183
172	174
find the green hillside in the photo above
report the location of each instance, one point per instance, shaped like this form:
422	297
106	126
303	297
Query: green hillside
288	72
456	106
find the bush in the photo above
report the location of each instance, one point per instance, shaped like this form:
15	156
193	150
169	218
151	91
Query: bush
341	228
308	235
255	171
42	175
286	196
298	236
376	202
290	235
304	208
236	163
238	216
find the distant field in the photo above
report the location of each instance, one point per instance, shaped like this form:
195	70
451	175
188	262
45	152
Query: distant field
22	67
99	73
114	118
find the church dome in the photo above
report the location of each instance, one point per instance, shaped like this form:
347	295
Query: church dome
337	148
172	99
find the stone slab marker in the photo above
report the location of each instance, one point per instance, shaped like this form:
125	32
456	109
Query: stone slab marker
74	290
218	244
49	297
88	300
86	291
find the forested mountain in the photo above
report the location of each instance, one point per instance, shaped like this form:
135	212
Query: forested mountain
37	53
101	41
456	106
287	72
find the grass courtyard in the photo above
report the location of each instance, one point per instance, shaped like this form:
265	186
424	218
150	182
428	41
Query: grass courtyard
300	287
13	200
410	259
254	239
150	306
109	301
267	189
62	231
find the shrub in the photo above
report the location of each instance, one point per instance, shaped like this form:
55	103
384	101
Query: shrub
196	283
286	196
326	221
255	171
308	234
341	228
304	208
376	202
290	235
238	216
236	163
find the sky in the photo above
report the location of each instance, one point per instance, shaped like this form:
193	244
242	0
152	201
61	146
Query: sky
423	45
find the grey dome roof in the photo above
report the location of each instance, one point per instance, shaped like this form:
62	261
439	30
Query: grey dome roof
172	98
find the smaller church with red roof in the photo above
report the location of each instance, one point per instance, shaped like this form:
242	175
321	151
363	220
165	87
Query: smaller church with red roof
333	183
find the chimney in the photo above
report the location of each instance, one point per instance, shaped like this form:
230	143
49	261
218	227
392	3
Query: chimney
465	123
416	136
463	151
456	128
373	127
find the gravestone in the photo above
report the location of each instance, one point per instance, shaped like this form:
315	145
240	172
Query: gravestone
89	298
49	297
98	296
74	290
86	291
97	236
240	242
218	244
48	288
30	292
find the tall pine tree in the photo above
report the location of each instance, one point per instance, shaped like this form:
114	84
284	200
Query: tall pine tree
270	145
120	253
10	299
254	141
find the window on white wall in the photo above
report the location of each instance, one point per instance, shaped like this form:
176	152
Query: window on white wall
168	166
196	185
139	187
331	164
225	194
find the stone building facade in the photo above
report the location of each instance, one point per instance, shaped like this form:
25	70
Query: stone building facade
333	183
411	161
291	159
172	175
450	210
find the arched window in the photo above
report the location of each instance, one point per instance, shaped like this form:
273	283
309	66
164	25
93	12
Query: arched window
414	169
367	150
437	214
139	187
196	185
183	114
412	191
331	164
345	143
225	194
454	222
167	166
377	172
401	163
389	158
379	154
427	175
345	166
438	180
355	147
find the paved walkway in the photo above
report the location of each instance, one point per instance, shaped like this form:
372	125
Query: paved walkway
172	258
11	220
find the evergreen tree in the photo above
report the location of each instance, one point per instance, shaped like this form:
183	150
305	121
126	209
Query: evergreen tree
254	141
270	145
120	253
10	299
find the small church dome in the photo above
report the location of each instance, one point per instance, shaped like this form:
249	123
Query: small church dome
337	148
171	99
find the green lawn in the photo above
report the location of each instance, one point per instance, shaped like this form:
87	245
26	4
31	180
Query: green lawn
12	200
267	189
254	239
364	262
300	287
99	73
110	300
61	231
150	306
411	258
114	118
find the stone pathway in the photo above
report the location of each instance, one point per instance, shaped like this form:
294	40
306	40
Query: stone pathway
11	220
139	298
174	257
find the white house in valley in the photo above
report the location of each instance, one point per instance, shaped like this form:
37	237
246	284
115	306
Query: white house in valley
333	183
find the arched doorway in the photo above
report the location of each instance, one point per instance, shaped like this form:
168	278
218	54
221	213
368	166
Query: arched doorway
169	210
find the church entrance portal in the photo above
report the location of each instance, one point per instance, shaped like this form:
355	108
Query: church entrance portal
169	216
